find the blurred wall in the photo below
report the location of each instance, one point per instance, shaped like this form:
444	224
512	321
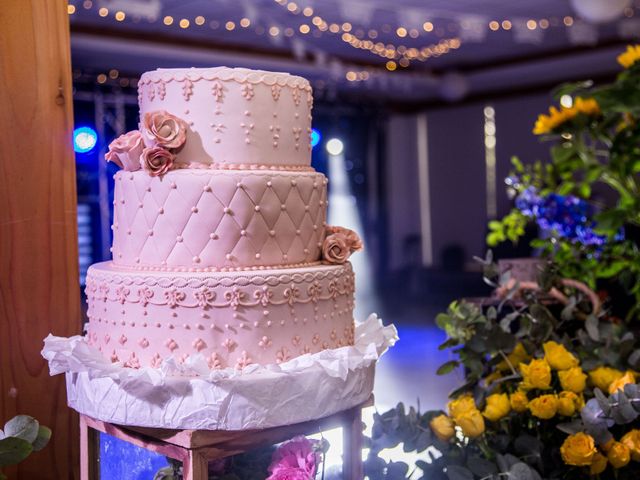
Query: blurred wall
457	185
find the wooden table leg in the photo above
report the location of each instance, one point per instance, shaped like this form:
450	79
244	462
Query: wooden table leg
195	466
89	451
352	445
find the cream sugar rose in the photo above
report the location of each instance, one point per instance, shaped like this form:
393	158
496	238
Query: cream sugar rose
220	246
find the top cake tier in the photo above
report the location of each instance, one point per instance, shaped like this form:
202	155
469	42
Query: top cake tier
236	117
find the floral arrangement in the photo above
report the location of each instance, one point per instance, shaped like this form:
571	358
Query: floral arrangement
550	371
21	436
152	149
585	200
296	459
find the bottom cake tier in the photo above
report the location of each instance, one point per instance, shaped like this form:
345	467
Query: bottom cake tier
232	319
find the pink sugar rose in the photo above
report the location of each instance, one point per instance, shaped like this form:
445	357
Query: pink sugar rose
339	244
125	151
296	459
160	128
156	160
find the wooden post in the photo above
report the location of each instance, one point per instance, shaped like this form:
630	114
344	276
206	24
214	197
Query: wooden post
39	290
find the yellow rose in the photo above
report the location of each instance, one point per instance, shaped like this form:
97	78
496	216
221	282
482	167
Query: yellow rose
598	464
632	440
578	450
536	374
519	401
602	377
544	407
461	405
471	422
516	357
558	357
498	406
619	384
443	427
568	403
573	379
619	455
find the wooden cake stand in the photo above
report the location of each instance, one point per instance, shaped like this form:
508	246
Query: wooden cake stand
195	448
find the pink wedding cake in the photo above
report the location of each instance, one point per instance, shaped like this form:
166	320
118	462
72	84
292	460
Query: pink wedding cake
220	245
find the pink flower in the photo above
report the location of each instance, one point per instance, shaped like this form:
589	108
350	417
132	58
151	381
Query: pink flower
163	129
353	240
156	160
296	459
339	244
125	151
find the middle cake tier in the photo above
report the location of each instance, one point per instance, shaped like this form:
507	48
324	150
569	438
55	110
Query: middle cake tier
209	220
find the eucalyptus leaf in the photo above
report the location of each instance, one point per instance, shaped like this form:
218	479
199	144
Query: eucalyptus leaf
522	471
41	441
22	426
447	367
13	450
481	467
591	326
458	472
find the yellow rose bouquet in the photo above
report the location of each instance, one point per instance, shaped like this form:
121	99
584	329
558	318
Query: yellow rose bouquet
550	369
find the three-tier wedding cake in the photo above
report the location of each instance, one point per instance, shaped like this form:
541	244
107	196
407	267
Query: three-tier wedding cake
220	245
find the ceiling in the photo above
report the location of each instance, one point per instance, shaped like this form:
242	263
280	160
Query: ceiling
437	48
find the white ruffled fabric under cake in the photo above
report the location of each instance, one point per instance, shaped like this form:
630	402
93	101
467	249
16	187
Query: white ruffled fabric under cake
191	396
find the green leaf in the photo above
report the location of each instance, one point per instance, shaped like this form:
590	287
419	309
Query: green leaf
13	450
448	367
22	426
41	441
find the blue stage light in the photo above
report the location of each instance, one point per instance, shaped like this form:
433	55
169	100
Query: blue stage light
84	139
315	137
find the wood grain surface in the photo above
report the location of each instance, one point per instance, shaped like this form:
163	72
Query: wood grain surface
39	290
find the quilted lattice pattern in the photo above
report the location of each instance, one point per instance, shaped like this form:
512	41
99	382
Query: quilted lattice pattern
202	219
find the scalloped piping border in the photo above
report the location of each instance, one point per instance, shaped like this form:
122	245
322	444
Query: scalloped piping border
178	269
228	74
224	279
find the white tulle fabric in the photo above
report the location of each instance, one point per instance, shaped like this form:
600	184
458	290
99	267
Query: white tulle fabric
191	396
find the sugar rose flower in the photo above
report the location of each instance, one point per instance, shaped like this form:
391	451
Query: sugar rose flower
627	378
353	240
632	440
125	151
156	160
163	129
619	455
461	405
537	374
296	459
339	244
602	377
558	357
598	464
544	407
471	423
573	379
519	401
497	407
442	427
578	450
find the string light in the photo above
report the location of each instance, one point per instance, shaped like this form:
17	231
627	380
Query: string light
245	22
168	20
103	12
230	25
506	25
274	31
199	20
568	21
71	9
120	15
532	24
304	29
494	25
307	12
184	23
